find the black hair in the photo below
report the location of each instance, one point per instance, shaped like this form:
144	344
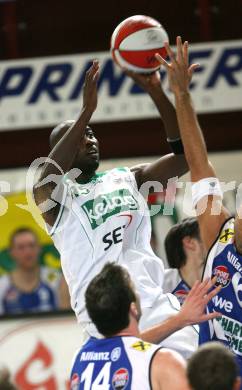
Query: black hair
176	256
212	367
108	298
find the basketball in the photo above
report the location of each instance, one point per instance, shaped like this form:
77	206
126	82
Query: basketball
135	41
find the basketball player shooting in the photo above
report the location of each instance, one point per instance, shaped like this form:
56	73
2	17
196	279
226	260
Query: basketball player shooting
220	232
102	217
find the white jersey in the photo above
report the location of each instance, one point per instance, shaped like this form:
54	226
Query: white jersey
120	362
106	220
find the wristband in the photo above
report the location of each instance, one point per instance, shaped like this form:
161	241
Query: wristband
205	187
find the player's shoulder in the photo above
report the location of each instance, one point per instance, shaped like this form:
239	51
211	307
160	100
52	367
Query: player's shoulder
138	346
224	238
168	358
226	233
163	366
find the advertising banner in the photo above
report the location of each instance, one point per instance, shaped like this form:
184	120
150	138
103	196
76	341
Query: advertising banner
39	352
42	92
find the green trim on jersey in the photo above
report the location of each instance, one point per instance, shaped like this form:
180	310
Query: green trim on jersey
61	211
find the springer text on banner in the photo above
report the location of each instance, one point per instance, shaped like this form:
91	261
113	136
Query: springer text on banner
42	92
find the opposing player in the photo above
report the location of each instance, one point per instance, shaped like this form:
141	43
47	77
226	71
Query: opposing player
185	256
122	359
213	367
102	216
221	234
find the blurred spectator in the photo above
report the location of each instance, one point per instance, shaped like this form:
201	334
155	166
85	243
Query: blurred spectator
5	380
213	367
29	287
185	256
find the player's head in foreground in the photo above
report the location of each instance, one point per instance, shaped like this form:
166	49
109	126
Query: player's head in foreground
112	302
24	248
114	308
87	157
213	367
5	380
183	243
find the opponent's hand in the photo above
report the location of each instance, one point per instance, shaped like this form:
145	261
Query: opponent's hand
149	82
193	309
178	70
90	88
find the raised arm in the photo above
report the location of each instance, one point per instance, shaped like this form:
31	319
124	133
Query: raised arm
211	213
63	153
170	165
191	312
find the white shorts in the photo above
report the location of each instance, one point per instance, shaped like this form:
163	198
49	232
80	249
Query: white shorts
184	341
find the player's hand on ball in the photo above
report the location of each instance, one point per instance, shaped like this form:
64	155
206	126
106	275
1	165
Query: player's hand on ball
90	88
178	70
148	82
193	309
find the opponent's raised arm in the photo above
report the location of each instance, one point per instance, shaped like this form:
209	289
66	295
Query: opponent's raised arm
179	75
66	146
191	312
207	195
172	164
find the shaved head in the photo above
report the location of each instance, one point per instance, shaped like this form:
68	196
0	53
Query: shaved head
86	149
58	131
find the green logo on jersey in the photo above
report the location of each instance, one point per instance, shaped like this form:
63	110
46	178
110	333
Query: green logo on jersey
99	209
233	332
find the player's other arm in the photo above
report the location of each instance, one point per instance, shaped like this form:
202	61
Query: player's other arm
192	312
172	164
63	154
161	170
168	371
211	214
